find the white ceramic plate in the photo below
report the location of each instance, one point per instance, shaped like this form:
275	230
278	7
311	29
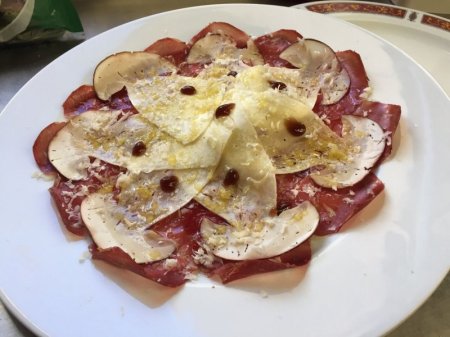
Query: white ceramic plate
361	282
425	37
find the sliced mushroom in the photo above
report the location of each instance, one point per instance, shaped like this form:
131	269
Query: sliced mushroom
67	150
99	213
317	59
367	141
211	47
269	237
115	71
334	87
221	47
66	157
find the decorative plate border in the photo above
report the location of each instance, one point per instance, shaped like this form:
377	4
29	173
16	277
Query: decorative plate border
436	22
379	9
356	7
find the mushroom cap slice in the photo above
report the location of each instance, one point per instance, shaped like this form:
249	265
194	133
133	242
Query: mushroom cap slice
98	212
269	237
220	47
211	47
67	155
367	141
117	70
318	60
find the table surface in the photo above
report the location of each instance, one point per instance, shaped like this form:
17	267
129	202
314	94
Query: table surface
19	63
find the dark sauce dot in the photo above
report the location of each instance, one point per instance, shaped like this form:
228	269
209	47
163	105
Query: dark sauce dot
277	85
139	149
224	110
231	178
295	127
168	184
188	90
232	73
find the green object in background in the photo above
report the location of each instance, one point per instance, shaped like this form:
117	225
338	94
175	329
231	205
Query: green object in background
37	20
55	14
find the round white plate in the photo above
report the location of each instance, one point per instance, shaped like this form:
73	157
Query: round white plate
361	282
425	37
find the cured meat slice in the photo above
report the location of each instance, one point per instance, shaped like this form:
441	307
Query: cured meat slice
121	101
80	100
272	45
68	194
334	207
40	147
84	99
232	271
158	271
191	69
172	49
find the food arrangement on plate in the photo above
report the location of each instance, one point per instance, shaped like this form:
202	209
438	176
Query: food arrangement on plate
222	155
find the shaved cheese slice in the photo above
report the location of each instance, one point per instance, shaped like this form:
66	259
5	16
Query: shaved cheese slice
118	70
368	142
110	136
287	82
184	116
271	113
248	203
254	193
146	202
268	237
99	213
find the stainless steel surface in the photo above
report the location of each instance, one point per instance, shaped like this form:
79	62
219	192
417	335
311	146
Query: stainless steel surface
19	63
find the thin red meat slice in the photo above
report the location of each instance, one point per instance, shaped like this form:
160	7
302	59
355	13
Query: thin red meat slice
68	194
172	49
272	45
121	101
158	272
84	98
191	69
226	29
234	270
335	207
40	147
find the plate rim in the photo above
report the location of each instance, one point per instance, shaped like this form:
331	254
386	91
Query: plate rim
4	297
